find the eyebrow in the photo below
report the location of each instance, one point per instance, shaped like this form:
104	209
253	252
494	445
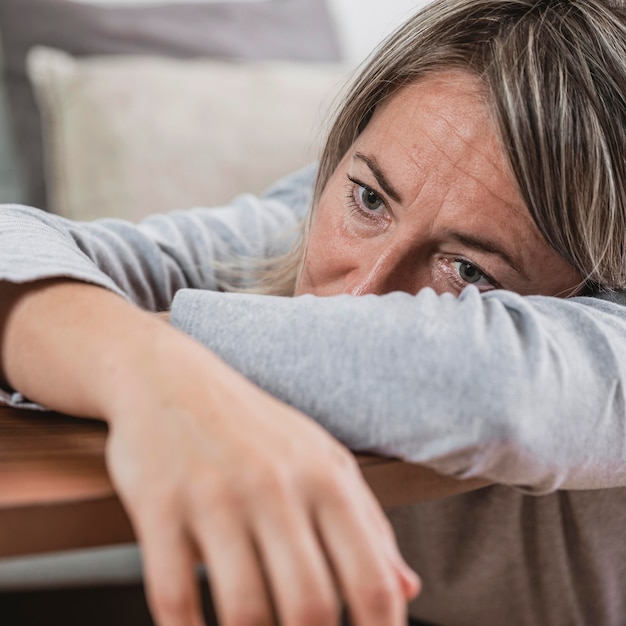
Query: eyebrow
387	187
489	247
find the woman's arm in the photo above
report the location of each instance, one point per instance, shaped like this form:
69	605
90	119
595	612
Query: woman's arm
148	262
208	466
523	391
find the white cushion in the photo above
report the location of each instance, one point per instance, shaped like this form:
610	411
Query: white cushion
130	135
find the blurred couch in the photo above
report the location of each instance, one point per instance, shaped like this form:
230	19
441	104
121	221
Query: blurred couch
242	87
11	186
140	107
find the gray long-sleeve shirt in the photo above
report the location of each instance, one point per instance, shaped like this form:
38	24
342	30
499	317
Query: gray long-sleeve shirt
526	391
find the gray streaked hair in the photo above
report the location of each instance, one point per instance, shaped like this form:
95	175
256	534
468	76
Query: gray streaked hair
555	74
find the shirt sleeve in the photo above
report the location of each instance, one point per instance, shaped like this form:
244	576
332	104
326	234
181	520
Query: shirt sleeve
524	391
149	262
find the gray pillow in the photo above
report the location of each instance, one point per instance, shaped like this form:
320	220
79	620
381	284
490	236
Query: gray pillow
271	29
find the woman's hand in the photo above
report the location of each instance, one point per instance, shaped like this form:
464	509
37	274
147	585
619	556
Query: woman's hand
207	464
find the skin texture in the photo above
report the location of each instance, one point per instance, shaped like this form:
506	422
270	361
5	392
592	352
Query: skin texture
437	147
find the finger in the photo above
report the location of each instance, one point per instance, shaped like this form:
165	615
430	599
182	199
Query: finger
359	555
169	571
301	580
411	583
238	588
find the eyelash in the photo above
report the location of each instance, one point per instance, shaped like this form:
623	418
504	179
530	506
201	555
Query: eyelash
484	274
355	205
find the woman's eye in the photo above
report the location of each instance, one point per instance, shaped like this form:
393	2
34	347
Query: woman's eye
370	199
471	274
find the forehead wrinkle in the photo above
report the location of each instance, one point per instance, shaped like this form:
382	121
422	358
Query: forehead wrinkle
513	243
468	155
475	91
510	243
479	93
476	149
398	179
417	182
522	212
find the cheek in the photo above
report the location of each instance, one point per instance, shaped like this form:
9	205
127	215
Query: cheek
328	252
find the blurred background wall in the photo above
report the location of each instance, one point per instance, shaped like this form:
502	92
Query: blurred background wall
90	140
11	188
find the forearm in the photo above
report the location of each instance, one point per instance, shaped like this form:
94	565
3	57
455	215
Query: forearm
189	437
76	359
72	346
522	391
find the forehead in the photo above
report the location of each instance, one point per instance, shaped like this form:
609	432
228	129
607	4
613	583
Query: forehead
442	127
452	95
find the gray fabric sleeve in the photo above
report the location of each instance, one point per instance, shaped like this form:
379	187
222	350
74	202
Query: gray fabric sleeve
148	262
525	391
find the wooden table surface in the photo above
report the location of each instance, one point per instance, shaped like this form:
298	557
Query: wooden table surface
55	492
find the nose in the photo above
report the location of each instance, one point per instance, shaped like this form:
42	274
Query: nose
394	268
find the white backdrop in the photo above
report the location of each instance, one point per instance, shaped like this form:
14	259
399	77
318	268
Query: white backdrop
362	24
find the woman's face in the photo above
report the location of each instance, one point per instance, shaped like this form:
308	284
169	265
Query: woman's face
425	198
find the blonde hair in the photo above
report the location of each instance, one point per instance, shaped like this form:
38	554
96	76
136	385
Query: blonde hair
555	71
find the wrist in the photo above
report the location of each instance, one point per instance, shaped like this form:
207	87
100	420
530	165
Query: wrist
144	359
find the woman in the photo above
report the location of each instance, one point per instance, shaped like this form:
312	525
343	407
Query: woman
481	146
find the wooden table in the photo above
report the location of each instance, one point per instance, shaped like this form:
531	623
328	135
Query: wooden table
55	492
